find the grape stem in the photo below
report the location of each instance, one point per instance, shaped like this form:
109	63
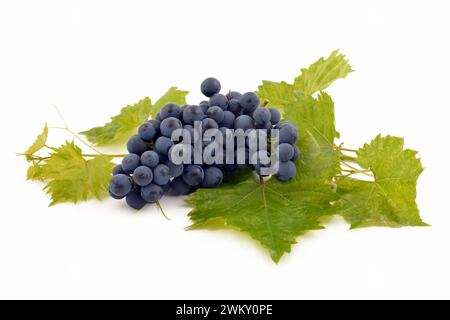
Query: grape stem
162	210
66	127
264	103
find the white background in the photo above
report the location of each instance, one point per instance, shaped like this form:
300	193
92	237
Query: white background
90	58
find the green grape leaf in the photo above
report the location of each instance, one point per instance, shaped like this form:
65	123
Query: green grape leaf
278	94
125	124
389	200
275	213
34	172
69	177
322	73
39	143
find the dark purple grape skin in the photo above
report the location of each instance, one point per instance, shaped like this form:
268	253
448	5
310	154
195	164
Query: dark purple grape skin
151	193
249	102
178	187
117	170
296	153
134	199
219	100
120	185
215	113
275	116
228	119
286	171
147	131
234	106
210	86
212	177
130	163
150	158
169	110
136	145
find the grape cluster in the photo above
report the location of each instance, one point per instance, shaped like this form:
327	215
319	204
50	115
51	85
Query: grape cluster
149	171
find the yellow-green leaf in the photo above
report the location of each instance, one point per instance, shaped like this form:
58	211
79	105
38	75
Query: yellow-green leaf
39	143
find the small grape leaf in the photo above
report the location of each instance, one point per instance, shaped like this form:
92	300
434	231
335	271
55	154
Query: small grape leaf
322	73
39	143
70	177
278	94
34	172
276	213
389	200
123	125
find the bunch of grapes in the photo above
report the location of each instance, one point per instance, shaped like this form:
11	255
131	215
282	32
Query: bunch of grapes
149	171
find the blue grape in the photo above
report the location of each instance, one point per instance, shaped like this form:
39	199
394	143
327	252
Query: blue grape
267	126
169	125
161	174
193	113
134	199
136	145
166	187
118	169
147	131
170	110
130	163
193	175
233	95
286	151
243	122
249	102
182	108
234	106
204	105
228	119
150	158
296	153
162	145
286	171
151	193
261	116
142	176
210	86
212	177
219	100
215	113
120	185
175	170
275	116
178	187
209	123
156	123
288	133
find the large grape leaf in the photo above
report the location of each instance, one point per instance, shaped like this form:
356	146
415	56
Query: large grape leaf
69	177
389	200
275	213
123	125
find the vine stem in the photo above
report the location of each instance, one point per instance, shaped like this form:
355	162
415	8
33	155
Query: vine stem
162	210
66	127
356	170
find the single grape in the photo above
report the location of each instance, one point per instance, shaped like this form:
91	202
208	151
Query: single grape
288	133
130	163
117	170
136	145
243	122
286	171
233	95
175	170
150	158
120	185
209	123
228	119
178	187
213	177
219	100
162	145
161	174
261	116
249	102
234	106
210	86
266	126
142	176
151	193
182	108
193	113
193	175
156	123
134	199
215	113
286	151
204	105
169	125
170	110
275	116
296	153
147	131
